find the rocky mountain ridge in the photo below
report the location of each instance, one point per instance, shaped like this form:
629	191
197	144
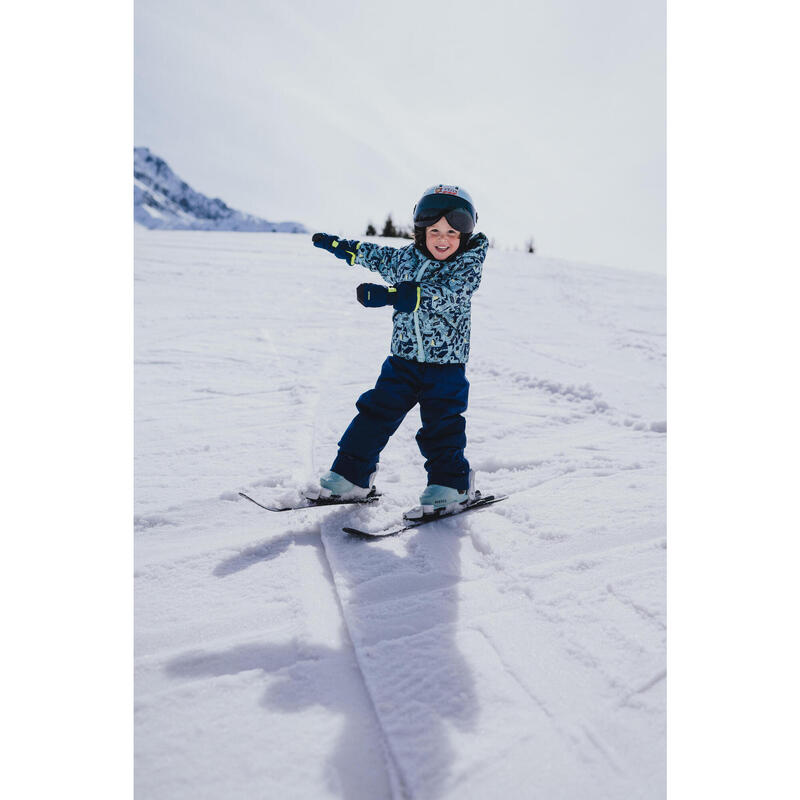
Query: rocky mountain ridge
162	200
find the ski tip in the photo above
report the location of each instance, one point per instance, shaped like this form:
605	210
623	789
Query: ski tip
247	497
357	532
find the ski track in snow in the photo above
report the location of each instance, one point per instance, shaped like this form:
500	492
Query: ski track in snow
518	649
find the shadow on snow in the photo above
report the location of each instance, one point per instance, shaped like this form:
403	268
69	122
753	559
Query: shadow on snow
401	613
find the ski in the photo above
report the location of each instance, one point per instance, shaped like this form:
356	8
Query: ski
308	503
472	505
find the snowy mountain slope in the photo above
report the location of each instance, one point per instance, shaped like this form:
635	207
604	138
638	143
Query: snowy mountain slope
161	200
518	649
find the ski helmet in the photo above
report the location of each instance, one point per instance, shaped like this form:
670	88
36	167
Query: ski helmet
451	202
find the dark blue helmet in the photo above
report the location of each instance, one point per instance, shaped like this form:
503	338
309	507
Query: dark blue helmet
451	202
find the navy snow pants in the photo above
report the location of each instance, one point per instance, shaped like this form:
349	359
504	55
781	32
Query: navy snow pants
441	390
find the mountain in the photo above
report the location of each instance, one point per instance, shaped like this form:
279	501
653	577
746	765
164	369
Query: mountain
162	200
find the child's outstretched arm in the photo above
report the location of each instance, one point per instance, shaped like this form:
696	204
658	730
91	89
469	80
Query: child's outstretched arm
384	260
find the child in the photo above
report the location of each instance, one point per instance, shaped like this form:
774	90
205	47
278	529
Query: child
432	282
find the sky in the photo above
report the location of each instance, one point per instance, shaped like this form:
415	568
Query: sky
551	113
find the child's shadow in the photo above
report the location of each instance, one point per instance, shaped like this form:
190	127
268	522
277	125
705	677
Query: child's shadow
310	676
401	611
269	550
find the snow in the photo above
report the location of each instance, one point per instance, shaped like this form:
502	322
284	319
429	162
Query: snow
519	649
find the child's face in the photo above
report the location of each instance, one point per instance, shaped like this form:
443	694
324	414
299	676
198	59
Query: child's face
441	239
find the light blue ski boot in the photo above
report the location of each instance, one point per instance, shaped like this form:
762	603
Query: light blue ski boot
441	499
334	485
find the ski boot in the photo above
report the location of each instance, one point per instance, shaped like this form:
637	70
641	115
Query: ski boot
441	500
334	486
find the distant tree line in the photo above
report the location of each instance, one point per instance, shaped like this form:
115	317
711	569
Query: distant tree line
392	231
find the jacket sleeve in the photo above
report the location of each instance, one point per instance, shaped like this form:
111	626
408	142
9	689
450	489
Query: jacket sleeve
453	294
384	260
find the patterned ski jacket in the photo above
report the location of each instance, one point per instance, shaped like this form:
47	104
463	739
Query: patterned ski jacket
438	331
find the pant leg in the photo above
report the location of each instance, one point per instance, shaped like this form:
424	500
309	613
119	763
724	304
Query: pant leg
442	437
380	412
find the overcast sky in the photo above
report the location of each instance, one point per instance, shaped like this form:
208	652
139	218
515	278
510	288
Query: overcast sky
550	112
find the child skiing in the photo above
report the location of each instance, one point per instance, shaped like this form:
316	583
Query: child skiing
431	284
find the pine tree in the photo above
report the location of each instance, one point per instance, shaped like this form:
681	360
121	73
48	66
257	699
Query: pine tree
370	230
388	228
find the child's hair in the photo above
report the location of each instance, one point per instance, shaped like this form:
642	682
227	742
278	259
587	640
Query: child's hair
419	241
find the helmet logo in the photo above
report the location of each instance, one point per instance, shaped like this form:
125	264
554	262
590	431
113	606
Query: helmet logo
442	189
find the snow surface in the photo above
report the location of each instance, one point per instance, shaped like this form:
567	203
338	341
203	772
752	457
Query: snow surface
516	651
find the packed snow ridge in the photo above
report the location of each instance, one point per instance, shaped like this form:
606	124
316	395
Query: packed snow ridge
161	200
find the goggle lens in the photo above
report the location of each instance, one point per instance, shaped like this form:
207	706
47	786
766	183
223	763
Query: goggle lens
460	219
433	207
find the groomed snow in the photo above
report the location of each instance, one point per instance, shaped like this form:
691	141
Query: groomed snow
518	651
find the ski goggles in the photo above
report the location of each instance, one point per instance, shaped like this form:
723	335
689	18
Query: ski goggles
433	207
